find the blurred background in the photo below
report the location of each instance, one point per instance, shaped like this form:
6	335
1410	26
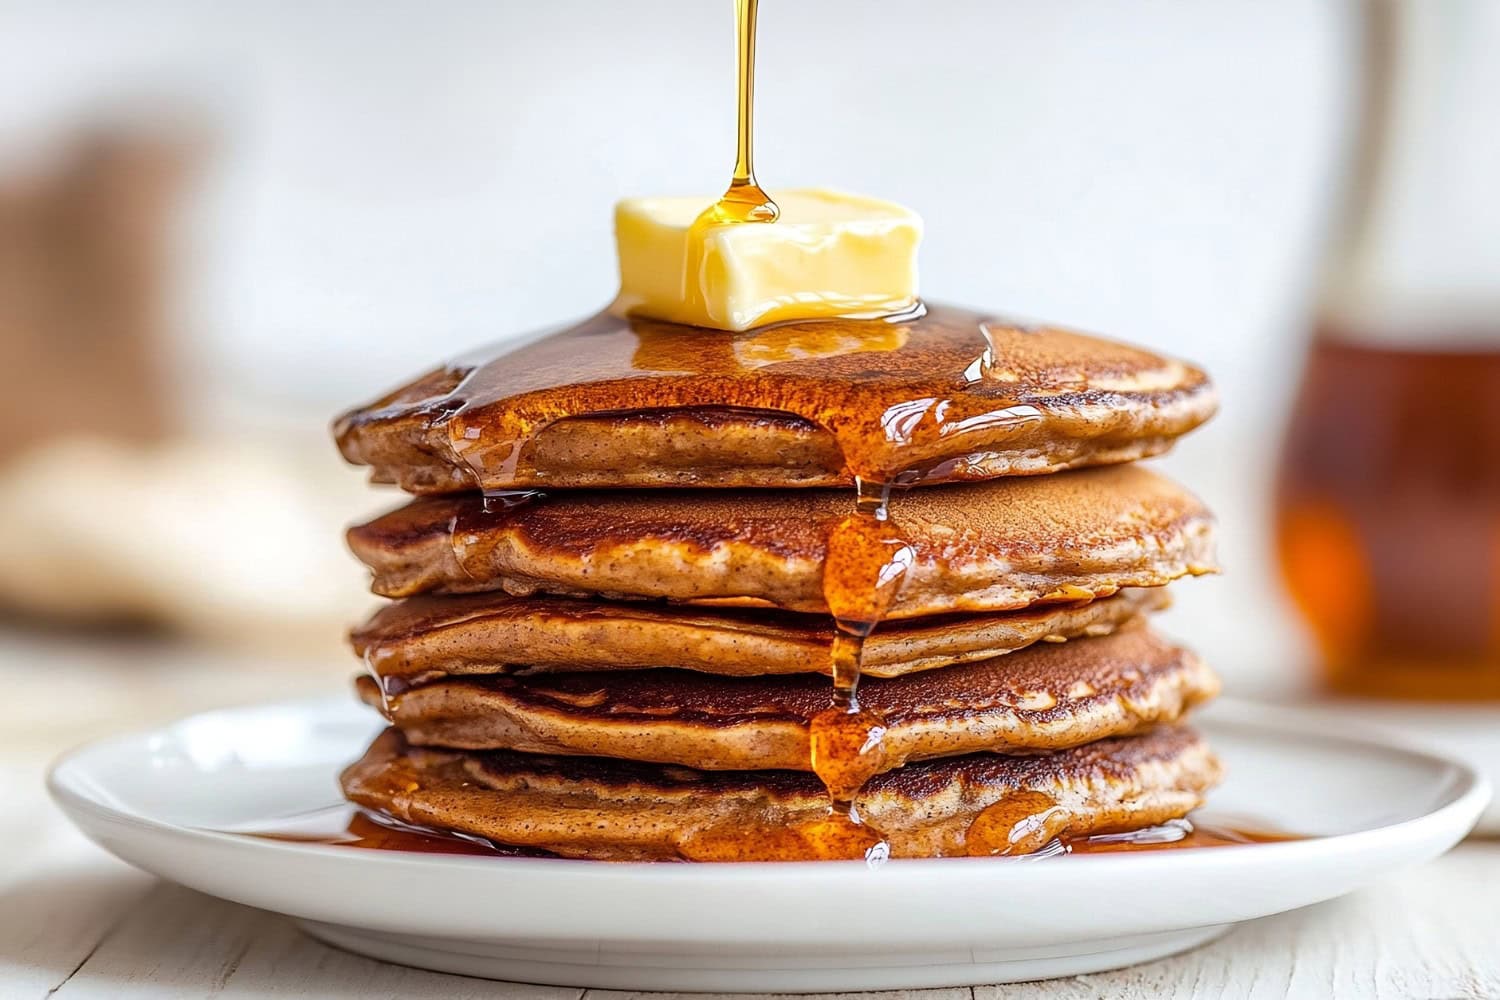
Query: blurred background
220	224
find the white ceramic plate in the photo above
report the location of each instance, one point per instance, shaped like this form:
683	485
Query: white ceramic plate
155	798
1469	732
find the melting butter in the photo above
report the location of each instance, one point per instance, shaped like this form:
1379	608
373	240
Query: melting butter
828	254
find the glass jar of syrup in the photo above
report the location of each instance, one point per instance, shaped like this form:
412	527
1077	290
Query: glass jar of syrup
1388	500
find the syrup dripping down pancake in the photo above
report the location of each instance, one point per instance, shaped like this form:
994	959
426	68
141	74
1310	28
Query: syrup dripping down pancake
982	804
1047	697
995	546
425	638
950	395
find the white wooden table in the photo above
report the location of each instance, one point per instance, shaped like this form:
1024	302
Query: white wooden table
76	923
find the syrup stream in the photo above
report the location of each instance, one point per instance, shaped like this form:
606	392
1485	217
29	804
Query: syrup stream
744	201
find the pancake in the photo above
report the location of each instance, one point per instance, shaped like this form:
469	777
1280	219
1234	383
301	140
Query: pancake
981	804
951	395
1047	697
996	546
424	638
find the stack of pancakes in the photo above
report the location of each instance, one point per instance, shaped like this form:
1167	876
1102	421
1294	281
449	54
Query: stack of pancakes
611	637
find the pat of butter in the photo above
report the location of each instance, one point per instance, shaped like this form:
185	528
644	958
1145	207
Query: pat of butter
829	254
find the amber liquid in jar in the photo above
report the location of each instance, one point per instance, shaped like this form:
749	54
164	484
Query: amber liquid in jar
1388	513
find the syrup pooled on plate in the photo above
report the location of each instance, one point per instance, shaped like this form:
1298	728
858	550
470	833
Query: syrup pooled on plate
1181	834
347	826
352	827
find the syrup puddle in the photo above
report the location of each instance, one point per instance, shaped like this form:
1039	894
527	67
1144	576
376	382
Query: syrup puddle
349	827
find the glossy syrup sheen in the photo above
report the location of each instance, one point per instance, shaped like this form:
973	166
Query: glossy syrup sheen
1182	835
866	562
353	828
901	395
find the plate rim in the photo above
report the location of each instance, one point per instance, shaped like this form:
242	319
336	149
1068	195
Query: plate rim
1463	798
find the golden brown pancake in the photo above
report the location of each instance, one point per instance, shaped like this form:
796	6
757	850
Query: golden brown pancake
981	804
995	546
425	638
1046	697
952	395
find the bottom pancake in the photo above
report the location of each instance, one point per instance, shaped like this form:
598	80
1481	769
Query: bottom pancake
981	804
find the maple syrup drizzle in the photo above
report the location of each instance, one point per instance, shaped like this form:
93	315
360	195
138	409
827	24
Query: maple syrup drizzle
743	201
865	564
350	827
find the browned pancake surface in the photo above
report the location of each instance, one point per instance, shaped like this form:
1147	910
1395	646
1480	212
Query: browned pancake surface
994	546
424	638
1050	696
976	805
611	402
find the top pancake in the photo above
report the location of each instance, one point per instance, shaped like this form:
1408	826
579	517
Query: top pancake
994	546
951	395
